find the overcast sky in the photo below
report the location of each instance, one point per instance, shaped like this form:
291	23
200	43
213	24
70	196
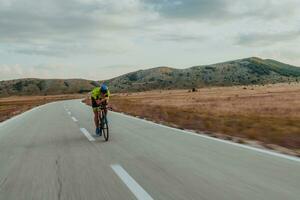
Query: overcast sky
100	39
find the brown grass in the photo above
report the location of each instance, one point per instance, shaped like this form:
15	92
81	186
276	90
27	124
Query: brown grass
270	114
14	105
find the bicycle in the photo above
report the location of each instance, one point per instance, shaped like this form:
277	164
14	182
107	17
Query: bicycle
103	123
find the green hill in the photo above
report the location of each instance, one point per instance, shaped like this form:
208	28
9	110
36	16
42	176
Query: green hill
238	72
45	86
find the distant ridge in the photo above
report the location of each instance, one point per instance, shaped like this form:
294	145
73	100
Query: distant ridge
33	86
237	72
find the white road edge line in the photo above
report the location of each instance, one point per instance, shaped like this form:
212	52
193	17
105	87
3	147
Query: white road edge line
87	134
134	187
74	119
269	152
265	151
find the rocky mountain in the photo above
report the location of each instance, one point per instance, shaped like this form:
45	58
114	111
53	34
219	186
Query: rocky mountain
45	86
238	72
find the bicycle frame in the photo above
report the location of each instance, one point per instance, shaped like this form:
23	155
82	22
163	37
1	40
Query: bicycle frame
102	115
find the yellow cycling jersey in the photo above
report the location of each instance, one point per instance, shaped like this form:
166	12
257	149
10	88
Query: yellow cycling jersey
96	93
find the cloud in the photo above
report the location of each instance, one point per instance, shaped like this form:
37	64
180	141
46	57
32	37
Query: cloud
223	10
262	39
188	9
266	10
10	71
174	37
37	71
56	27
70	27
61	49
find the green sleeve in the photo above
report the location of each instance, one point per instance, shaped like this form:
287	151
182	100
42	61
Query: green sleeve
95	93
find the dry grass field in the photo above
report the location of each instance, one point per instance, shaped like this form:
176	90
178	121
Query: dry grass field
269	114
14	105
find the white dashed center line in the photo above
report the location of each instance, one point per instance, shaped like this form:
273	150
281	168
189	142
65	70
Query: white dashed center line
87	134
134	187
83	130
74	119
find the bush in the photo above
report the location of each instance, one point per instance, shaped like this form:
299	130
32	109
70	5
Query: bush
133	77
18	86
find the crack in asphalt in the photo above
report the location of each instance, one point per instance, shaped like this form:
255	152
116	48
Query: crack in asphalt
2	182
58	174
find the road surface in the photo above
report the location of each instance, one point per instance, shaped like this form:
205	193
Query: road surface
50	153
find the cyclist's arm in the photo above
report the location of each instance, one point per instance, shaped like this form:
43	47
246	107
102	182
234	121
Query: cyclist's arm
105	98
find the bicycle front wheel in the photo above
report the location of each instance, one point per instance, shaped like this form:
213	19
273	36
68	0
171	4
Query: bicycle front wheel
105	129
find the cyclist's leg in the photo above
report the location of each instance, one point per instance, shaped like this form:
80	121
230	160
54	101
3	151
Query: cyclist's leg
105	106
100	120
95	110
100	114
96	116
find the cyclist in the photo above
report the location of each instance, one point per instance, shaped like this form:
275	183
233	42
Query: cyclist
99	98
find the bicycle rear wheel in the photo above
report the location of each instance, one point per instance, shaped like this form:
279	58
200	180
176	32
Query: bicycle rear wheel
105	130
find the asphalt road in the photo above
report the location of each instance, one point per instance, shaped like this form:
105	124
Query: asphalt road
49	153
